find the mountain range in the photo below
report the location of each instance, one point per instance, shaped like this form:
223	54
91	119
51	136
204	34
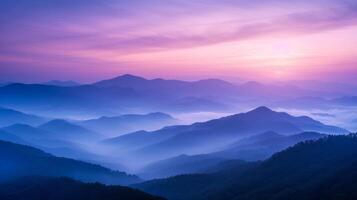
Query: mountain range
61	83
322	169
253	148
57	142
262	146
28	161
133	94
117	125
214	135
118	95
9	117
69	131
35	188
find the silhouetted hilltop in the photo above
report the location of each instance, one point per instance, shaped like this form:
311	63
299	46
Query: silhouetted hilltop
27	161
66	130
35	188
205	137
322	169
9	117
118	125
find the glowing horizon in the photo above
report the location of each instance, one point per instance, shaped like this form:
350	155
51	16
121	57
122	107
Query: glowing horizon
89	40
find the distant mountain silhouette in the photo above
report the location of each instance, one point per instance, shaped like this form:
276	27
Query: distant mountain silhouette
97	100
196	104
182	164
52	142
29	133
213	135
68	131
35	188
38	137
5	136
9	117
208	86
61	83
55	100
27	161
322	169
253	148
129	123
262	146
130	93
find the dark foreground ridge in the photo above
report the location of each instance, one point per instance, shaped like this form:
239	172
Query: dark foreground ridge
323	169
36	188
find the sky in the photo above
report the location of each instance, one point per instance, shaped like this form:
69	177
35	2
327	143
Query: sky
267	40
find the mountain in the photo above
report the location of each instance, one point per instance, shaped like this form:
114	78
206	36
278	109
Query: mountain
213	88
214	135
182	88
182	164
35	188
118	125
61	83
27	161
99	100
322	169
69	101
194	186
9	117
202	95
28	132
262	146
5	136
45	140
253	148
134	94
39	138
68	131
196	104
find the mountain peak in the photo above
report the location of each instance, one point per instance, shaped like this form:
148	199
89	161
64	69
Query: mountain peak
126	80
261	109
160	114
19	125
58	121
130	77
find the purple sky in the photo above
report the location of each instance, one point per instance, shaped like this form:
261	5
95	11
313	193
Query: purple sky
88	40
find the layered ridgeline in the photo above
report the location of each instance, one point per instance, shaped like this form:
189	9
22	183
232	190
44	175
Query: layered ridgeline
165	87
123	94
117	125
322	169
214	135
57	137
35	188
262	146
69	131
253	148
9	117
55	130
133	94
20	160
